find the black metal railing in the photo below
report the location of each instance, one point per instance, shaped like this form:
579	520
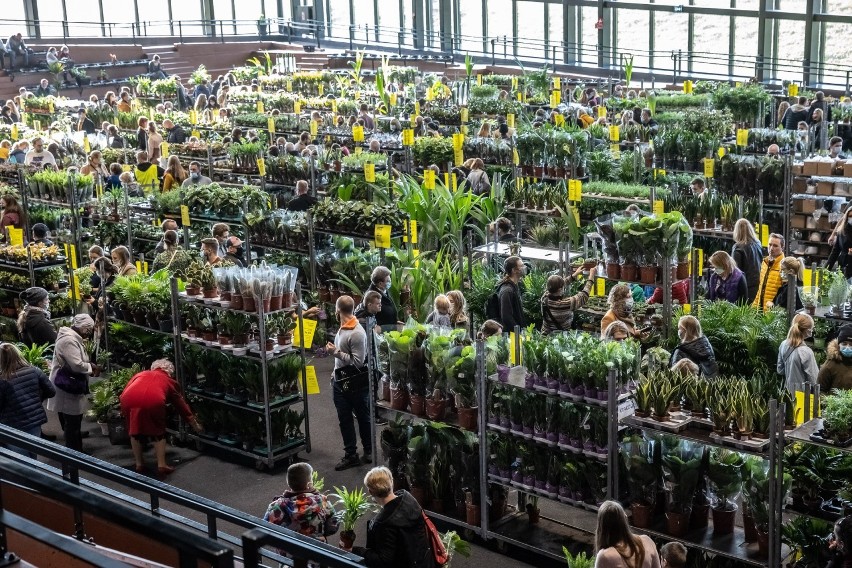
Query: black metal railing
159	501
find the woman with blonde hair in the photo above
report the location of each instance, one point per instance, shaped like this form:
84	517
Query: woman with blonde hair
175	174
621	309
782	110
792	272
122	261
727	282
95	165
155	139
617	546
477	179
485	130
796	360
694	346
747	253
458	310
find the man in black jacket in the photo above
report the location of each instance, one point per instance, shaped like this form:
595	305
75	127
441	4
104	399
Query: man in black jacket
509	294
177	135
303	200
380	282
84	123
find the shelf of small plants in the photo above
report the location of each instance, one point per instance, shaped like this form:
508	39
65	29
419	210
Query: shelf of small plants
234	335
551	424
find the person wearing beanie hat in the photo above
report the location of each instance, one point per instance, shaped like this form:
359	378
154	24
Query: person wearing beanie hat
836	372
70	354
40	232
34	320
621	308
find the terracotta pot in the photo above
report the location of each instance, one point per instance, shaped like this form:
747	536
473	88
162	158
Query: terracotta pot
275	303
236	301
193	290
648	274
723	521
288	299
385	390
677	524
192	332
473	514
435	409
225	340
538	171
249	305
418	404
468	418
285	338
265	303
324	294
613	270
347	538
682	270
811	310
628	272
699	517
749	528
270	344
420	495
225	296
240	339
497	509
399	398
642	515
211	293
208	335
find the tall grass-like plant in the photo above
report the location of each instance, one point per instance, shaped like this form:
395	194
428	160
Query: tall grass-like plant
627	68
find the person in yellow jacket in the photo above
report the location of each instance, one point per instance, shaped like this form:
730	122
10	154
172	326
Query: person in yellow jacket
770	273
147	175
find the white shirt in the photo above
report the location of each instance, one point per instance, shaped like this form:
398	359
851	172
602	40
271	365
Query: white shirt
39	159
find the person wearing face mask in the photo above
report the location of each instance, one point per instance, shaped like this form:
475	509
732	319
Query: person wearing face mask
195	177
796	360
770	273
621	309
508	292
694	346
792	271
70	358
727	282
835	148
210	251
836	372
236	250
34	321
841	248
386	318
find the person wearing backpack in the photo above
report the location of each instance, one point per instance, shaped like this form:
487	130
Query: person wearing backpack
504	304
400	536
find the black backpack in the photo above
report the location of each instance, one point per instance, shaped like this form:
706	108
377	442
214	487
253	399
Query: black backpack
492	305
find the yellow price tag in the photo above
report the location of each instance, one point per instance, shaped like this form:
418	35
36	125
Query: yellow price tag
310	326
659	207
417	108
311	380
554	99
575	190
139	266
75	288
383	236
164	149
659	172
429	179
687	86
145	267
510	120
458	157
184	216
73	250
358	150
408	137
289	84
430	94
615	150
454	180
51	108
270	125
516	158
687	308
558	120
15	134
800	407
465	114
709	165
513	357
720	152
793	90
764	235
557	83
297	107
321	89
261	167
358	133
514	83
458	141
520	97
334	107
370	173
87	147
412	229
314	128
808	277
193	116
601	111
16	236
260	107
479	79
393	97
196	133
742	137
614	133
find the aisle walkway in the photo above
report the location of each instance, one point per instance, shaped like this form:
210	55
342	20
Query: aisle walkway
242	487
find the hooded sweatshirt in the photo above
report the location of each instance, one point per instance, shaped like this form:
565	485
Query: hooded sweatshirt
797	364
148	176
836	372
37	329
700	352
794	115
397	537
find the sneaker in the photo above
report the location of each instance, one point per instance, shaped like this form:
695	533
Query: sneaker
367	458
346	462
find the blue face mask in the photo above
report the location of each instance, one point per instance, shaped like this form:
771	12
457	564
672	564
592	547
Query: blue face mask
846	351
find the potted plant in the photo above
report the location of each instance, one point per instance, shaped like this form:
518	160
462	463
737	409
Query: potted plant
661	396
837	417
724	477
643	480
681	461
533	512
351	506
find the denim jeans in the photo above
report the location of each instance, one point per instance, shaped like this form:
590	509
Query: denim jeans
346	403
13	57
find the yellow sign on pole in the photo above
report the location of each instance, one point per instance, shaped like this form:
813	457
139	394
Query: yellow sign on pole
261	167
270	125
16	236
614	133
465	114
575	190
408	137
184	216
370	173
793	90
510	120
429	179
311	379
659	207
358	133
314	128
310	326
260	107
742	137
709	166
383	236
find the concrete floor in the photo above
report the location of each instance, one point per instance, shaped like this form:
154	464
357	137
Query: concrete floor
237	484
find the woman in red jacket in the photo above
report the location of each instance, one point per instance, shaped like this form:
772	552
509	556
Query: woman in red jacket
144	402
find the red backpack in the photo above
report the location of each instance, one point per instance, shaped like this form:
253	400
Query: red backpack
439	551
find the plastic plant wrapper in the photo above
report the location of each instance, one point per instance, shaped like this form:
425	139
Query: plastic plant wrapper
724	478
643	474
606	229
460	370
435	348
496	353
756	486
681	461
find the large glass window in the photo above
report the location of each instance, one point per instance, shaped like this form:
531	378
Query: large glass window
470	24
84	17
838	51
186	17
710	44
13	19
531	30
500	18
671	32
154	17
839	7
119	17
389	21
588	35
791	49
556	24
364	16
339	12
633	34
248	11
745	45
51	15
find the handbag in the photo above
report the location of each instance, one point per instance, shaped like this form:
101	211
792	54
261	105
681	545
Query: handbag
352	378
73	383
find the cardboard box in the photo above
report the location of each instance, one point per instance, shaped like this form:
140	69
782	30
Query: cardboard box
810	222
804	205
825	188
797	169
800	185
841	189
847	169
823	224
799	221
825	168
810	167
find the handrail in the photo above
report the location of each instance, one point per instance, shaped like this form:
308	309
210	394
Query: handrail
214	513
190	546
